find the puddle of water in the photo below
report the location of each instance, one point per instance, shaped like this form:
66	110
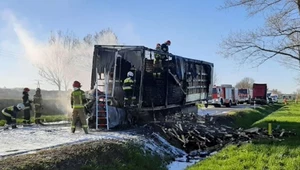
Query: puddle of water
186	161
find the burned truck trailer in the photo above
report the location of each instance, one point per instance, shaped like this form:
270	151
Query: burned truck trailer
181	84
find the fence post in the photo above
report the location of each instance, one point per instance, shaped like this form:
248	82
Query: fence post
270	129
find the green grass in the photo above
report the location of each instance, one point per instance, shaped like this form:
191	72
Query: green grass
130	158
262	154
287	118
97	155
52	118
246	118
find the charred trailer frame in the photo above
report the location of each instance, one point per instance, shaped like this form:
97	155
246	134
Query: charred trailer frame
183	82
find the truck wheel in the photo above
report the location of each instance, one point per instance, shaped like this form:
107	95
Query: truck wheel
229	104
221	102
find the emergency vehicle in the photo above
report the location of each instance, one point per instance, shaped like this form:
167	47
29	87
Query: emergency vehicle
244	95
223	95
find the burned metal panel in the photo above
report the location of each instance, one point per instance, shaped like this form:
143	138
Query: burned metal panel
103	58
199	79
116	116
134	56
193	97
189	72
126	61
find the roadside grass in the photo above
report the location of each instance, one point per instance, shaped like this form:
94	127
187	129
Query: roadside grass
262	154
48	118
246	118
97	155
287	118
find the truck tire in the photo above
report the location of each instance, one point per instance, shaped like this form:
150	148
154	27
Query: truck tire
229	104
222	103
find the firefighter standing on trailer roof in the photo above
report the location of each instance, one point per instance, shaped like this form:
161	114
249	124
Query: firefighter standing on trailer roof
10	114
77	102
27	104
157	62
157	57
128	89
165	48
37	102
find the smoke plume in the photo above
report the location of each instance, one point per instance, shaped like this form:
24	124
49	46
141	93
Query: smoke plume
63	57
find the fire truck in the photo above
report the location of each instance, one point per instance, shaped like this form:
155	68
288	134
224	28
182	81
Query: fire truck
223	95
244	95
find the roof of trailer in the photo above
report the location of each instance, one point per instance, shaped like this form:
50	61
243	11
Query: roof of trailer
148	49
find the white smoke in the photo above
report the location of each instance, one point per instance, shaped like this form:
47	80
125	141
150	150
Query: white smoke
68	63
75	63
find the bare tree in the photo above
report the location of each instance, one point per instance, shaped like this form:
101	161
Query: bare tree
245	83
297	93
278	39
59	59
276	91
67	54
85	52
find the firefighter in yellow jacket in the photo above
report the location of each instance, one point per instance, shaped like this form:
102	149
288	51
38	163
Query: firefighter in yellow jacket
77	102
37	102
128	88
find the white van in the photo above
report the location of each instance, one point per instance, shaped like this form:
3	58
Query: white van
274	98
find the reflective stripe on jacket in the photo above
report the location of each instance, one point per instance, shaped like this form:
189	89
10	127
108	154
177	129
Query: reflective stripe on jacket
78	99
37	100
10	112
128	83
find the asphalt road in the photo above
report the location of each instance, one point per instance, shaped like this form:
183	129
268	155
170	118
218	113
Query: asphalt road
211	110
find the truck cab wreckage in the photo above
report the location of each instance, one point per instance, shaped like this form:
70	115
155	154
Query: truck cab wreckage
183	83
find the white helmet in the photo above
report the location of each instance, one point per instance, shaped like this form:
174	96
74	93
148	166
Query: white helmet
130	74
21	106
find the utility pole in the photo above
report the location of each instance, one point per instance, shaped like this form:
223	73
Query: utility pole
38	84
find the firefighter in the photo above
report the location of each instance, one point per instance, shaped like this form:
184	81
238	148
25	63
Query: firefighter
27	104
128	89
78	101
37	102
10	114
157	62
165	46
157	56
